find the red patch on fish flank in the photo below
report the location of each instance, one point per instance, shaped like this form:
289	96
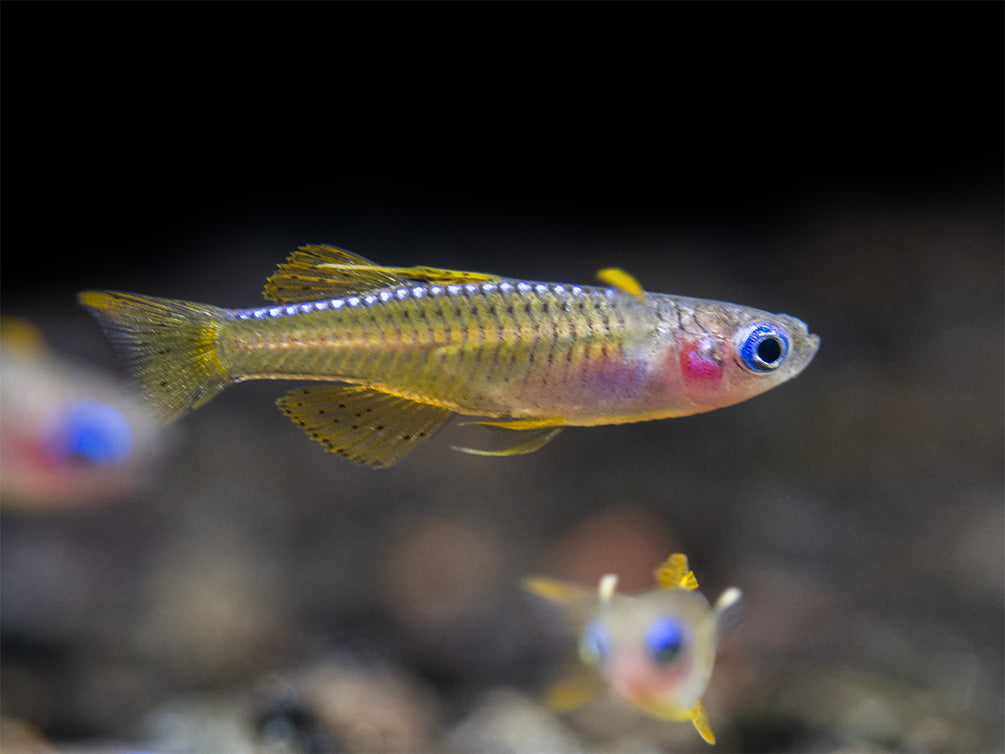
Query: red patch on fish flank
700	367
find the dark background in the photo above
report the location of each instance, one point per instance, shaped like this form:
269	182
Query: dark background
840	162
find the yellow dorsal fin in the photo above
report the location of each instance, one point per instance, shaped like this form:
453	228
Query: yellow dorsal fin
700	722
315	272
674	574
320	271
429	274
621	280
366	426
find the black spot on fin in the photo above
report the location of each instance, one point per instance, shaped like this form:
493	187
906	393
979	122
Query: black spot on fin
318	272
366	426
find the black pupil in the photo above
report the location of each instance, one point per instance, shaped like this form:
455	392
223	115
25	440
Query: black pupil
769	350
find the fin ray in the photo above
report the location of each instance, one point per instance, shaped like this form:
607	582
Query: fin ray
366	426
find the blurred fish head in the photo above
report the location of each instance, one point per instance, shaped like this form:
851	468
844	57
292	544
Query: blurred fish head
656	649
727	353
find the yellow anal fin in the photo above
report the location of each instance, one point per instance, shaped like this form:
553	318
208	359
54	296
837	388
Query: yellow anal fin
700	722
428	274
316	272
674	574
366	426
538	438
621	280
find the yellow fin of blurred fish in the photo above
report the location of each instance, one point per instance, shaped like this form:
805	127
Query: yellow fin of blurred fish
700	722
538	438
696	715
674	574
556	591
576	690
20	335
623	281
367	426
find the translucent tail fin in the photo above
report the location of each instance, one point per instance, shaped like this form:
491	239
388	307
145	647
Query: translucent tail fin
168	344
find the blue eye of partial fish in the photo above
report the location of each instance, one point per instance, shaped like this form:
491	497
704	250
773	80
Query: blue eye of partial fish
594	644
763	348
665	640
96	432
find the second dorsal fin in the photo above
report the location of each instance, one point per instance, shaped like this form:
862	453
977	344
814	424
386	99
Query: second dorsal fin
316	272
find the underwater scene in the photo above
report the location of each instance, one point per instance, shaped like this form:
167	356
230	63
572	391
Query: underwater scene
486	439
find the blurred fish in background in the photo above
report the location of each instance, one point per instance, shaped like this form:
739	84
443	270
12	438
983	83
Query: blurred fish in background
69	434
655	649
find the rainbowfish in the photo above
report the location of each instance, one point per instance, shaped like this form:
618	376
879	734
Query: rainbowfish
654	649
411	346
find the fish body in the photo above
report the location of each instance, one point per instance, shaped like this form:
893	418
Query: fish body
655	649
410	347
69	435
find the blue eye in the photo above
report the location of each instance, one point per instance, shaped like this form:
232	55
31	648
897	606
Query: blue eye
594	644
665	640
763	348
96	432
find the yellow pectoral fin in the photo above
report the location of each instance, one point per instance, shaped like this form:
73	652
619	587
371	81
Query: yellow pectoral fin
621	280
674	574
551	421
574	692
538	438
555	591
700	721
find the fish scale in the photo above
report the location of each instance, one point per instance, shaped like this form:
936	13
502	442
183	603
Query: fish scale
416	345
498	336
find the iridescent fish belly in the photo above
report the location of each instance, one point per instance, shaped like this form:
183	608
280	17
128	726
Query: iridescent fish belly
409	347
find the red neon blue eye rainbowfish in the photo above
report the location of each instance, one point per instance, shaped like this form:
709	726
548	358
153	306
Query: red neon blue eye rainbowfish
395	352
656	650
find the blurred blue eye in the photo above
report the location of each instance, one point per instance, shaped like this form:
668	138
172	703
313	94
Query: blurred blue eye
594	644
665	640
95	432
763	348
